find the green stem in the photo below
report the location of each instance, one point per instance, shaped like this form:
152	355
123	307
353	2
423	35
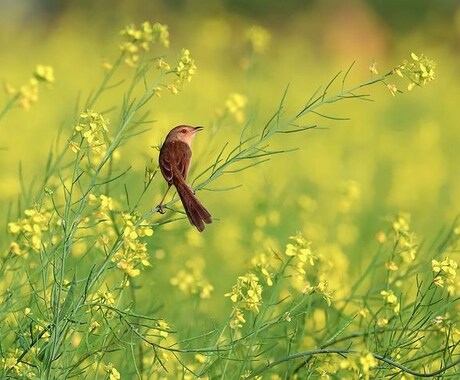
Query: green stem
9	104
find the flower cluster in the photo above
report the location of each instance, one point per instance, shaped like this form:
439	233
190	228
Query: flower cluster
331	268
92	128
362	368
105	205
102	299
373	68
138	40
162	329
420	70
110	224
29	232
301	258
235	106
10	362
350	194
446	327
184	72
445	274
322	288
101	220
405	244
302	255
391	300
262	263
44	74
245	295
191	280
112	372
258	39
160	361
133	251
28	93
185	69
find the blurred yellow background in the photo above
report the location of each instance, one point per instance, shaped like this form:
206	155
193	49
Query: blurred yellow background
345	180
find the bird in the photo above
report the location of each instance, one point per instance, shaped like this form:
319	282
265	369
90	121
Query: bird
174	160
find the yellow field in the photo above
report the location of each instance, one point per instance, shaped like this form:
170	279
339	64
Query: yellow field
365	180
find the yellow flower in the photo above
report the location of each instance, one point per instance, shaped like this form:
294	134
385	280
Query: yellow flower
9	89
389	296
92	128
44	74
247	293
94	325
367	362
301	249
112	372
322	288
106	65
14	228
391	266
262	263
133	251
419	71
163	328
391	299
191	280
11	360
162	65
235	105
439	281
29	94
160	33
106	203
238	319
393	89
157	91
258	38
29	231
363	312
137	40
185	69
14	248
200	358
74	146
172	89
128	268
446	271
373	68
206	290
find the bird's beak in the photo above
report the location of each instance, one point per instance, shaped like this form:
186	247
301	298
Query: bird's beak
197	129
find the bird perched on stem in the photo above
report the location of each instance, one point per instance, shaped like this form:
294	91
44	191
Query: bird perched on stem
175	157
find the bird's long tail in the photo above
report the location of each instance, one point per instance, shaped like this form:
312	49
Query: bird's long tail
196	212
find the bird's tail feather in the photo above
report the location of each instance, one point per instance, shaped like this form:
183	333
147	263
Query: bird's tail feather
196	212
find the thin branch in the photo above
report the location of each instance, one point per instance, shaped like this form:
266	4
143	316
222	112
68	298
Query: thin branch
344	352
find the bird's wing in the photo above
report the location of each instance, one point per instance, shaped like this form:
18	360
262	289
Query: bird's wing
175	160
184	157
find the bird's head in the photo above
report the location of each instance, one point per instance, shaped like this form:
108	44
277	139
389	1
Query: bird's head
184	133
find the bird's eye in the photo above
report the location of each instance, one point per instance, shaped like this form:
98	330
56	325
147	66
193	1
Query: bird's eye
183	130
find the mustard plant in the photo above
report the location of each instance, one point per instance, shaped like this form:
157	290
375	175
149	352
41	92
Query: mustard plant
77	250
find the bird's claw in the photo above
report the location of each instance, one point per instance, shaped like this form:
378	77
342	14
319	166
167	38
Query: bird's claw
161	210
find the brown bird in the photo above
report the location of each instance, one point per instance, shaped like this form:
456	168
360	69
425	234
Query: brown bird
175	157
